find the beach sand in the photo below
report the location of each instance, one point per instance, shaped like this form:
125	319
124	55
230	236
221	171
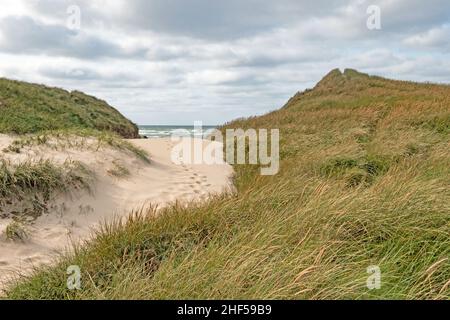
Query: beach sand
73	217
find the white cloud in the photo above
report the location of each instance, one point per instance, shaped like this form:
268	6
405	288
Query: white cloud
436	37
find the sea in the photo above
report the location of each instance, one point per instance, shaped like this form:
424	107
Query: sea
161	131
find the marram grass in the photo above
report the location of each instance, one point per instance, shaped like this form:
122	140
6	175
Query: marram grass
78	139
28	187
31	108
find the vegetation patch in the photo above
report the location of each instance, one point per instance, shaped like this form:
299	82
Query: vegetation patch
27	188
31	108
85	139
438	124
16	232
356	171
119	170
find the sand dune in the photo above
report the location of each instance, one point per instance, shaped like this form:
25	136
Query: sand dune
72	217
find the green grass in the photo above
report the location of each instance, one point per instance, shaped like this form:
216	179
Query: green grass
364	181
31	108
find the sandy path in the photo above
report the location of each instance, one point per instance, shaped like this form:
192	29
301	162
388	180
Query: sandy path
74	217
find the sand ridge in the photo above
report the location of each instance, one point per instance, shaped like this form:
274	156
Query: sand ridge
74	216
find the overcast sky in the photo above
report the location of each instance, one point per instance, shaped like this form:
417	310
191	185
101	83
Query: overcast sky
178	61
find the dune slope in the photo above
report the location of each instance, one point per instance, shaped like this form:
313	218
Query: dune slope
119	182
32	108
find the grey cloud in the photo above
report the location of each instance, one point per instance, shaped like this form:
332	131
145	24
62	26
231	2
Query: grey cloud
413	15
91	13
280	57
436	38
219	20
162	53
23	35
204	19
106	79
234	19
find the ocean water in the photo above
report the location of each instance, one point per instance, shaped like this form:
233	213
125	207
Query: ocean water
167	131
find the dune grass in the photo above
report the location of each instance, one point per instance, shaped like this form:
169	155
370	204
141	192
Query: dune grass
26	188
81	139
31	108
365	170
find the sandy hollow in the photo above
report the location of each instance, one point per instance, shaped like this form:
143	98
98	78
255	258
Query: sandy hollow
73	217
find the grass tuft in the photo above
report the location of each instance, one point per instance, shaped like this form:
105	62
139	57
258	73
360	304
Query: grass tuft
16	232
119	170
27	188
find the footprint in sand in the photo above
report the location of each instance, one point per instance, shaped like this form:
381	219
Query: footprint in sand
193	183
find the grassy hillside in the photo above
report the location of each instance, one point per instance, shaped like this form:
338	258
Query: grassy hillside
31	108
364	181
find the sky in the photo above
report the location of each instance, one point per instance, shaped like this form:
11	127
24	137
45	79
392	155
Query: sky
179	61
